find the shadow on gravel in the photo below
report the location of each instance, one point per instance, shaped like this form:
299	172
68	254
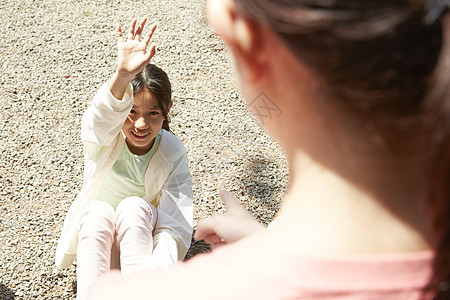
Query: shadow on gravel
74	287
263	184
197	247
6	293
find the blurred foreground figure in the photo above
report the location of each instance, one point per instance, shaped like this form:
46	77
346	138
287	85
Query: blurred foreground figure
362	91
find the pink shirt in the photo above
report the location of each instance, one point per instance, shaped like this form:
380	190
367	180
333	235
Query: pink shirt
250	269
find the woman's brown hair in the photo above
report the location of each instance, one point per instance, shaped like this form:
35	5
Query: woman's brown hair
389	60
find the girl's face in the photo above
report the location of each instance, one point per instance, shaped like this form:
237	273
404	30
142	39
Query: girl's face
143	123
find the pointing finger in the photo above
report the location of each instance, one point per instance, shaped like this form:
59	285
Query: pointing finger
228	199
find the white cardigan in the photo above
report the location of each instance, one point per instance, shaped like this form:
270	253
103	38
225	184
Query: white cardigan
167	180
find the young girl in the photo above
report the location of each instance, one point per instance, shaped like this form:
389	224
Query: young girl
135	208
364	87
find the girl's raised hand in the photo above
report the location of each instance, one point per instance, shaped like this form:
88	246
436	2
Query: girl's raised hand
133	54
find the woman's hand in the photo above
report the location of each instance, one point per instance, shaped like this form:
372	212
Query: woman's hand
132	56
230	227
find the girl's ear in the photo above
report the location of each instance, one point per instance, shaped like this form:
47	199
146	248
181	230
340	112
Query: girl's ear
244	37
169	107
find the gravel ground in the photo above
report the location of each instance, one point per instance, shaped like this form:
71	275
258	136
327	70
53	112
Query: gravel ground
54	56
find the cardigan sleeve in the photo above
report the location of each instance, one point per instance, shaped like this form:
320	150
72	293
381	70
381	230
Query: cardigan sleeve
173	231
104	117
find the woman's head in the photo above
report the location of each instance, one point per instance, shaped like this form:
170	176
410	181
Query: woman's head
387	62
152	102
375	55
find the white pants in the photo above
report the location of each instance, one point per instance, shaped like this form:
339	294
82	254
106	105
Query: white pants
108	239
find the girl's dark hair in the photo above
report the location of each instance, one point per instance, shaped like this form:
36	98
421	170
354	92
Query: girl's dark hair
387	60
156	81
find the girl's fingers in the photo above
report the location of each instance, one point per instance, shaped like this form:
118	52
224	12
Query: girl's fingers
151	52
149	34
132	27
135	32
140	28
119	33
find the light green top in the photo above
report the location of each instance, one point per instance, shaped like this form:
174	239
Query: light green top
127	176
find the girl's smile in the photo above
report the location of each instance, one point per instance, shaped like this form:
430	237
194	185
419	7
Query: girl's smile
140	135
143	123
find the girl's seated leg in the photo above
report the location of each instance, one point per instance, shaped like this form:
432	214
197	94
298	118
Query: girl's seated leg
135	221
95	237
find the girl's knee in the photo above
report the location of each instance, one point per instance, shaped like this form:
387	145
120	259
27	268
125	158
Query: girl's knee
135	204
136	207
98	210
97	216
130	203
